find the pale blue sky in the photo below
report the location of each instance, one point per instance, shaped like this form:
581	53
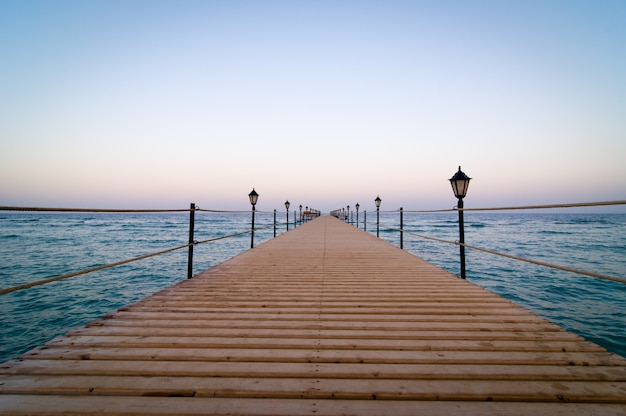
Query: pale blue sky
325	103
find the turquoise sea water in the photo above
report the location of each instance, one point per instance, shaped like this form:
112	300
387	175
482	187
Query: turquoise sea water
36	246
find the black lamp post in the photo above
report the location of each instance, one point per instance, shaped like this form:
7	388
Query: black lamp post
287	209
253	198
192	215
357	214
460	182
377	201
348	214
300	213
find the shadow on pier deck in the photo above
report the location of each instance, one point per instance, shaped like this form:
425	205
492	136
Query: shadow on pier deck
323	320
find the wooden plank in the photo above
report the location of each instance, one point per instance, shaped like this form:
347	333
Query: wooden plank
340	322
323	343
364	310
313	355
139	406
307	387
321	318
318	370
447	332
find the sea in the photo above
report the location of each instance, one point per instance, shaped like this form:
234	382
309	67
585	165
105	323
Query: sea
41	245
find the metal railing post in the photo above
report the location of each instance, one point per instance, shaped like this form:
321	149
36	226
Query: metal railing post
377	222
192	216
364	220
252	228
274	223
461	238
401	228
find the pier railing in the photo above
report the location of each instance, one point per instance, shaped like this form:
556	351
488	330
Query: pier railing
349	217
270	222
295	219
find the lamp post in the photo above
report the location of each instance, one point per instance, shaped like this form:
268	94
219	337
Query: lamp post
460	182
300	213
287	209
253	198
348	214
377	201
192	215
357	214
401	228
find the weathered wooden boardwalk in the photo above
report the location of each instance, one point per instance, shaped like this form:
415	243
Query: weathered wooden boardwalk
323	320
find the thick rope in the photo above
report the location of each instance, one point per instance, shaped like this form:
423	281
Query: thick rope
553	266
537	262
572	205
93	269
38	209
575	205
223	211
512	208
119	263
430	210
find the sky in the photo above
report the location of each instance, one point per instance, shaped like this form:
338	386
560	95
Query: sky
157	104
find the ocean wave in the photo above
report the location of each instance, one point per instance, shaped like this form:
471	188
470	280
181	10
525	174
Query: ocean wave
10	236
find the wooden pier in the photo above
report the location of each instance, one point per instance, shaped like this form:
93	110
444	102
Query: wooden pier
323	320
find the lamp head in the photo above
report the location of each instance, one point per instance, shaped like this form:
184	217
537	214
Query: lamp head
460	182
286	204
253	197
377	201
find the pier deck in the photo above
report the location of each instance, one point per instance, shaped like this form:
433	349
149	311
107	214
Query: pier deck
323	320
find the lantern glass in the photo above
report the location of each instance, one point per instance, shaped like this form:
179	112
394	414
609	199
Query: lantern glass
377	201
286	204
460	182
253	197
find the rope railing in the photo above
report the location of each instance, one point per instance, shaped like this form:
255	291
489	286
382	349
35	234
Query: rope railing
120	263
223	211
101	210
93	269
189	245
510	256
573	205
513	208
429	210
117	210
524	207
281	223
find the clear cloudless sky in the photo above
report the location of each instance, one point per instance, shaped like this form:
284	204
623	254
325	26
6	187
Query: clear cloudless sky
156	104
